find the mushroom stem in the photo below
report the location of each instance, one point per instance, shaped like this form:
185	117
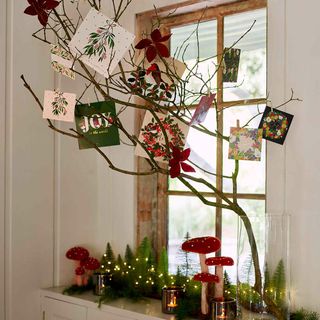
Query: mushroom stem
218	291
204	301
203	266
78	280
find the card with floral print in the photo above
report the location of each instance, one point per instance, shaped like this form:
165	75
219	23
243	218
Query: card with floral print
275	125
59	105
95	122
62	61
100	42
245	144
231	65
152	138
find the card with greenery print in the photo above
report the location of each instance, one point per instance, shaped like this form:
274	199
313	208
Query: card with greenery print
245	144
59	105
275	125
152	138
231	65
94	121
62	61
100	42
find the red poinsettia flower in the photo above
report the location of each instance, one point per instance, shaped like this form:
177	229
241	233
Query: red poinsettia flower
40	8
154	46
177	163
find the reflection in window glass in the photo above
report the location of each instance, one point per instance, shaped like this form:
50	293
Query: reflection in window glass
203	153
187	215
192	42
252	71
251	178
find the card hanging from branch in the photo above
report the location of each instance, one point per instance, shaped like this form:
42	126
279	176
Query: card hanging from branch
100	42
59	105
245	143
152	138
95	122
231	62
62	61
275	124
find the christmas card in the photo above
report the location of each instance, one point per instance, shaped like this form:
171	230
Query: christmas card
275	125
202	109
62	61
231	65
152	138
245	144
94	121
59	105
100	42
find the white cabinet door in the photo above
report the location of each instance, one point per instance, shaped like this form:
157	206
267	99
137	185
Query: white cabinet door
100	315
59	310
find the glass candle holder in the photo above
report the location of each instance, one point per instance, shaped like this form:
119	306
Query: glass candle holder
223	310
170	299
99	281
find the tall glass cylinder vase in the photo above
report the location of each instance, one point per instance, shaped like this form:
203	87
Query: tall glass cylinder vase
263	274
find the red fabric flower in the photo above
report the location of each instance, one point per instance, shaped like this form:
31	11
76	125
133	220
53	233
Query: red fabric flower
40	8
154	46
177	163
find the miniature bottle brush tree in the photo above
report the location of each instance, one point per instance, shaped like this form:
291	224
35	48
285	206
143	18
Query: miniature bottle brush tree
160	90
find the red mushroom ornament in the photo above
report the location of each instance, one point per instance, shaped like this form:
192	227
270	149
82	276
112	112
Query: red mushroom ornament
77	254
205	278
219	262
90	264
203	246
79	276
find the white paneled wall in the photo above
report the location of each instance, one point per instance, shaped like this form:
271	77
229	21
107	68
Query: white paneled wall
28	164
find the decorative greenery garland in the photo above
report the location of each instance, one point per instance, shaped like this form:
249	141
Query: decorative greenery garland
136	276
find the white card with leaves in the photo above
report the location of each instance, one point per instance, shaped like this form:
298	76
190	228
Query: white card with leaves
100	42
59	105
152	138
62	61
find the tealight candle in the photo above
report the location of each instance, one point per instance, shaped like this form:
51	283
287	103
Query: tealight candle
170	299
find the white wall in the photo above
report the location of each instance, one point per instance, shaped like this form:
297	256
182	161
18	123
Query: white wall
28	168
302	153
52	196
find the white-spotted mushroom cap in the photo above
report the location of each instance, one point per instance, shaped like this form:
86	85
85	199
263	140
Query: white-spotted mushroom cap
219	261
206	277
202	245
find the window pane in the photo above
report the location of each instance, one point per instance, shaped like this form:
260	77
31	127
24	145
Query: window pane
187	215
203	153
190	43
252	71
235	242
252	175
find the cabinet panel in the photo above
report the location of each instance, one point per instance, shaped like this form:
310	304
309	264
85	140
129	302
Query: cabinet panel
59	310
100	315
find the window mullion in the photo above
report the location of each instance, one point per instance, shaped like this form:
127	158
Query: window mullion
219	166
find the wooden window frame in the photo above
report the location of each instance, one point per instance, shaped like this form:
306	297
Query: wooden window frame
152	191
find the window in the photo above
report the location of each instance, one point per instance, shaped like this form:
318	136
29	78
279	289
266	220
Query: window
221	27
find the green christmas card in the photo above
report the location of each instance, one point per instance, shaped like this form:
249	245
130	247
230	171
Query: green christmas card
231	65
94	121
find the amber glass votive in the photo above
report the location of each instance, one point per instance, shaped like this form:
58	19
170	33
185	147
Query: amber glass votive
171	297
